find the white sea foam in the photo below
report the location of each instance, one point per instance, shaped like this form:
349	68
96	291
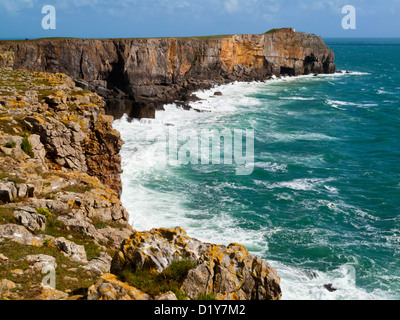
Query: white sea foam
294	136
338	104
297	184
271	167
297	98
298	284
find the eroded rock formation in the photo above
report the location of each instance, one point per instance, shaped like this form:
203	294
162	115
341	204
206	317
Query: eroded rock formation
138	75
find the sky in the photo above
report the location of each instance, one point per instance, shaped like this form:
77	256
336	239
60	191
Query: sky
20	19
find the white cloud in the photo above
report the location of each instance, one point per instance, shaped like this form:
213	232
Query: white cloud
232	6
13	6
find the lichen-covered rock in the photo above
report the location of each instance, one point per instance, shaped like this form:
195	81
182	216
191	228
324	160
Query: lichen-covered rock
50	294
5	287
157	249
167	296
225	272
99	265
41	262
232	273
70	249
110	288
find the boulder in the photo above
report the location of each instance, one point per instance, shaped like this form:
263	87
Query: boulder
41	262
8	191
6	286
30	219
71	249
99	265
167	296
110	288
50	294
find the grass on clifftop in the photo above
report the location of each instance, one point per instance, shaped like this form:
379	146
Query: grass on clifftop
69	277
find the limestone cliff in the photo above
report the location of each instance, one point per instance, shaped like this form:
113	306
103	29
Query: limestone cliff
138	75
60	211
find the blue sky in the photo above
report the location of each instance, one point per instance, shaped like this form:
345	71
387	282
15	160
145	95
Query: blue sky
163	18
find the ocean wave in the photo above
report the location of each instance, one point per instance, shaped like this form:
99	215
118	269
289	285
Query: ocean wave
338	104
306	184
271	167
295	136
306	284
297	98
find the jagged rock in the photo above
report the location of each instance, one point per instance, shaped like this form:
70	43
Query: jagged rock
156	249
227	272
8	191
6	286
232	273
116	236
41	262
21	235
30	219
7	59
109	288
99	265
39	151
167	296
49	294
22	190
13	230
75	221
71	249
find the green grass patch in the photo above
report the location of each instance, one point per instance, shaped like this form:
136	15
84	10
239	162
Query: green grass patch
10	145
80	93
208	297
271	31
78	188
44	212
154	283
30	282
7	216
26	145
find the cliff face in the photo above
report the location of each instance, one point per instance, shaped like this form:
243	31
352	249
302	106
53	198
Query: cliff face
138	75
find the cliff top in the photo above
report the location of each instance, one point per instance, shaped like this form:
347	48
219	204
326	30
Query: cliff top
210	37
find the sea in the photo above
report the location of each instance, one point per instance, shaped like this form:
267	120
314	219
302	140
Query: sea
321	199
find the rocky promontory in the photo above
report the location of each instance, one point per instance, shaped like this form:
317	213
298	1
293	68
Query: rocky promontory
64	233
137	76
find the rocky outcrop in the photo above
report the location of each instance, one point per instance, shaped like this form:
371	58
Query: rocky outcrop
67	127
228	273
138	75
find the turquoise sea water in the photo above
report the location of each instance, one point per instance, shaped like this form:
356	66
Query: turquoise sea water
323	202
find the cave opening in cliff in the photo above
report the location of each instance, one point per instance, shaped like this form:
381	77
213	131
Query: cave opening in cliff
287	71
